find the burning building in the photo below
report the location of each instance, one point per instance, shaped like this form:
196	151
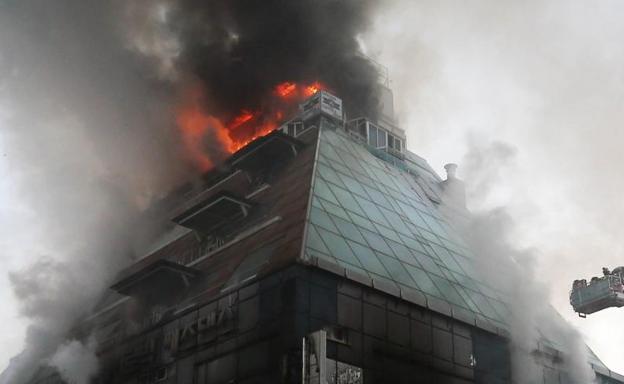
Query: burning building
319	252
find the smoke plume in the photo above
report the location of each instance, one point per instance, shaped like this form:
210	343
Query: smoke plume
76	362
239	50
511	269
89	96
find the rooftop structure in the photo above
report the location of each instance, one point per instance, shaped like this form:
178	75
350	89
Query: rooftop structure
316	254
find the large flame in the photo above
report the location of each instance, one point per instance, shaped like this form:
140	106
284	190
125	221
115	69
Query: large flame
208	139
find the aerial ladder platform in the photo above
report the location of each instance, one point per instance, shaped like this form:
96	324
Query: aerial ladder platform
602	292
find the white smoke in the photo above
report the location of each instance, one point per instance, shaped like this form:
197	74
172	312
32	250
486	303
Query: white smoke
511	269
76	362
89	140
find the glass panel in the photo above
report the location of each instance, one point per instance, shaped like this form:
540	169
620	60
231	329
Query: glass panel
376	242
483	305
423	280
412	214
387	232
341	168
349	230
352	162
500	308
372	135
346	200
328	151
353	186
402	252
378	197
429	236
395	221
338	247
368	259
396	269
321	189
446	258
434	225
362	221
362	179
466	281
372	211
334	209
314	240
464	294
427	263
381	139
448	291
447	274
329	175
316	203
361	126
466	265
322	219
413	244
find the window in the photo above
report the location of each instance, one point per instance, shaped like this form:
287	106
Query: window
381	138
395	143
361	127
377	137
372	135
298	127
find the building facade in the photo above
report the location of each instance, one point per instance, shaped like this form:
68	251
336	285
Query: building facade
316	254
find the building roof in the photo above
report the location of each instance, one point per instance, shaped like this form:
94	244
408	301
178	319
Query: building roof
375	221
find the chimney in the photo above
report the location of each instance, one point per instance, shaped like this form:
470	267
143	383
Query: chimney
453	190
451	169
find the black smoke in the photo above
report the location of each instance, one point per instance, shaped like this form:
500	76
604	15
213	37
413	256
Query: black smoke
241	49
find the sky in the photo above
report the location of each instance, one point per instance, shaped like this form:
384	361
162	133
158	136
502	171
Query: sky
545	78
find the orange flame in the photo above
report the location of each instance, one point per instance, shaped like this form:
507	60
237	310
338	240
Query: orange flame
241	119
285	89
203	133
196	126
312	89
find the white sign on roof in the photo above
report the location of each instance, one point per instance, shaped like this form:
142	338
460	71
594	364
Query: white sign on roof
322	102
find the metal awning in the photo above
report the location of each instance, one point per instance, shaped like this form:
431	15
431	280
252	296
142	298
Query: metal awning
159	275
236	182
269	149
214	211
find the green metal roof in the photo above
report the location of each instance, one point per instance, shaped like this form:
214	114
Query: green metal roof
373	218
